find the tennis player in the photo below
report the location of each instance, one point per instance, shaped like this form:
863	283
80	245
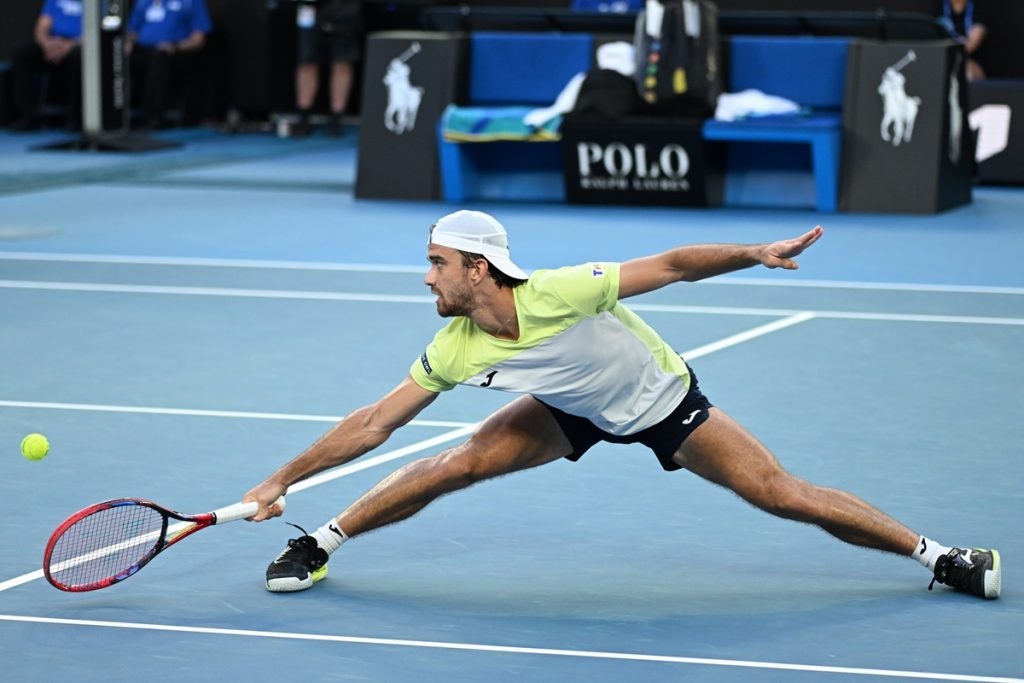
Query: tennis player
589	370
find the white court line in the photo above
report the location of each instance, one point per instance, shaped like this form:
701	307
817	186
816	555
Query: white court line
878	286
386	268
98	407
399	298
747	335
507	649
212	262
834	315
215	291
920	318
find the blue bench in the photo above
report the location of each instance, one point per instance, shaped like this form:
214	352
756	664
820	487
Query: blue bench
483	155
812	73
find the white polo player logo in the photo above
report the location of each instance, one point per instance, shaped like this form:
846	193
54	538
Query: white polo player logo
899	109
403	98
956	113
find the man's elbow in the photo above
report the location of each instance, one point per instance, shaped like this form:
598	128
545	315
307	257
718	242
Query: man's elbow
374	429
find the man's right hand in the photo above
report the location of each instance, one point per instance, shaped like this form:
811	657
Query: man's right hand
266	494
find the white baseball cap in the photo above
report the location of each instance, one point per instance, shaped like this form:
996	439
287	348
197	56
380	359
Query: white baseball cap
477	233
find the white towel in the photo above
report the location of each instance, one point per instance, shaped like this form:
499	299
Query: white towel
732	106
564	103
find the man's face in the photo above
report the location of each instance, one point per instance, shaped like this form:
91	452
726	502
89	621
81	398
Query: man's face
448	278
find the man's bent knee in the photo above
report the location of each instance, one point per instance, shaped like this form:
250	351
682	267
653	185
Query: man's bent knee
469	463
790	497
458	465
491	453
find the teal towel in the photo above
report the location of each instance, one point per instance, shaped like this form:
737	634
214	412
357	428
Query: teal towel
488	124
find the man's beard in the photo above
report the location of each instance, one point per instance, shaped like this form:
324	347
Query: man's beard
454	303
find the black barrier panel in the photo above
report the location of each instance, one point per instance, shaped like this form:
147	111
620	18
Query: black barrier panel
662	162
408	80
997	119
6	95
906	146
114	92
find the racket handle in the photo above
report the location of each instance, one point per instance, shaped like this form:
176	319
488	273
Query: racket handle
232	513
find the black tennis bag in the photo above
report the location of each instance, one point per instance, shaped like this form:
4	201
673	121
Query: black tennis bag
677	57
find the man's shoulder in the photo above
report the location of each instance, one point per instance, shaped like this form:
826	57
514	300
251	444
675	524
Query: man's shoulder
580	287
571	275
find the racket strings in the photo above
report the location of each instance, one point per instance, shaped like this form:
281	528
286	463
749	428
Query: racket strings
105	544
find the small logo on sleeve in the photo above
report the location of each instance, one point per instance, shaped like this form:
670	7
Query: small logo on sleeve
426	364
597	270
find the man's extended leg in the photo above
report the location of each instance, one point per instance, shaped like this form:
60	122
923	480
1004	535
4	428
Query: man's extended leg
725	453
519	436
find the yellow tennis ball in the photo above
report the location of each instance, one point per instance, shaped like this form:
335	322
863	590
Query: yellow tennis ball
35	446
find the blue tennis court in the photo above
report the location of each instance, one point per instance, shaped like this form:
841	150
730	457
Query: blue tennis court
179	324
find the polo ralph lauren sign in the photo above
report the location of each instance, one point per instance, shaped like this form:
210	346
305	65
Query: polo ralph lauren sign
650	161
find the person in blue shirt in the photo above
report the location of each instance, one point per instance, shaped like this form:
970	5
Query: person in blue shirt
608	6
53	51
165	38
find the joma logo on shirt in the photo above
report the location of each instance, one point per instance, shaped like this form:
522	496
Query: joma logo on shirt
597	271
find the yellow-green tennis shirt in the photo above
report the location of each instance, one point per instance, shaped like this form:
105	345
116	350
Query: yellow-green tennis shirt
579	350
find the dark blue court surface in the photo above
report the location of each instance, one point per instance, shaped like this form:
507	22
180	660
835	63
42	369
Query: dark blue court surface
181	323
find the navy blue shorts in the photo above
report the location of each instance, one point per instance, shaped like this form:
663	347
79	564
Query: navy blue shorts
664	438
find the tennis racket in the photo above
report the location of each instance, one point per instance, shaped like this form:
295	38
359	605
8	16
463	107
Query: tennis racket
107	542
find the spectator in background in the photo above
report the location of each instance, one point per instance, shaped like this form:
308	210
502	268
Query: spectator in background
966	18
165	38
328	31
54	51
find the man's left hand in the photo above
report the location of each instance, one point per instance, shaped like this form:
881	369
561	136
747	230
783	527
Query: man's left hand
779	254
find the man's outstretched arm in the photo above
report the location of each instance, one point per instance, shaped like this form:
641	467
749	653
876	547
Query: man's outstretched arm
701	261
359	432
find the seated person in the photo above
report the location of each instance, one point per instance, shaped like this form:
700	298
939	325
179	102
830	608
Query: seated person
54	51
164	42
966	18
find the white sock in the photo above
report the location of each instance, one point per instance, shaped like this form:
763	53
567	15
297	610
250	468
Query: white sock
330	536
928	552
